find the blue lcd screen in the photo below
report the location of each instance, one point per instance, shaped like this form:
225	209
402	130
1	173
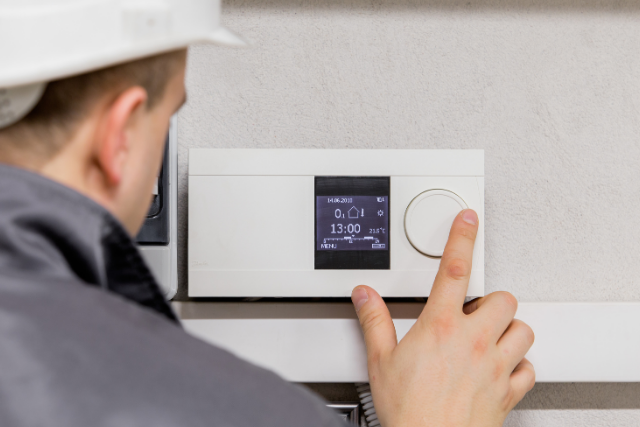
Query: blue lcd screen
352	223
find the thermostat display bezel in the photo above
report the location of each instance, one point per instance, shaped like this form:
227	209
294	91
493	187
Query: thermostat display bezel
352	186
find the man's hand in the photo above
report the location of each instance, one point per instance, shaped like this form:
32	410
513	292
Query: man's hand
457	366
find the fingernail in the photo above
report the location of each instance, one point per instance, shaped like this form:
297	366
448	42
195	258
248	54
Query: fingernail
359	297
470	217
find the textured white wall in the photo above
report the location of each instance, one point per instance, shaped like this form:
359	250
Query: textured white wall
573	418
550	90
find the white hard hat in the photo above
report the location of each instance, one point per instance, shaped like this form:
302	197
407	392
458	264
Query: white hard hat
44	40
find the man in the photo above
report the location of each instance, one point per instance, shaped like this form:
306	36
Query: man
87	338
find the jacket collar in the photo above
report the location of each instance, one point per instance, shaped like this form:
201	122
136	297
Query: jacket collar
48	230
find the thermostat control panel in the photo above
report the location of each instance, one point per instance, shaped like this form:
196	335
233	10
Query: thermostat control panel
317	223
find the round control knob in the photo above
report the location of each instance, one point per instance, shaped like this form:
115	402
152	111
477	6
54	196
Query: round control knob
428	219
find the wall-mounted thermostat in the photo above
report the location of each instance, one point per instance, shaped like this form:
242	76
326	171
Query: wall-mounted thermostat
317	223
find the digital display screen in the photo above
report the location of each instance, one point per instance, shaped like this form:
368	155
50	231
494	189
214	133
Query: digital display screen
352	223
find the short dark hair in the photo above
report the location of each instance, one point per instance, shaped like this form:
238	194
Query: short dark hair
66	102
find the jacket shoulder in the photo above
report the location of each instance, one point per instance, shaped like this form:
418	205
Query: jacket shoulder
75	355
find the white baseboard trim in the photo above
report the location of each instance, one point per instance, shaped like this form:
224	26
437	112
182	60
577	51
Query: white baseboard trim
309	342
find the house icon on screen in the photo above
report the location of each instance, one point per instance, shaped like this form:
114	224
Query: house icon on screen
354	212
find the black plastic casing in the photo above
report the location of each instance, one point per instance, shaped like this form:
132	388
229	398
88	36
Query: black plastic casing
155	230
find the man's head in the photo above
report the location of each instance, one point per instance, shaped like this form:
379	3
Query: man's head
102	133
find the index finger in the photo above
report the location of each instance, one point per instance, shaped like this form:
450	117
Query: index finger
452	281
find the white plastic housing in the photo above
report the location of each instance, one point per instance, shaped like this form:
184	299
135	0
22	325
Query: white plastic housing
252	223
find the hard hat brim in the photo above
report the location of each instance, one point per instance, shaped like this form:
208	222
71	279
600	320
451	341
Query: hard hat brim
60	67
23	93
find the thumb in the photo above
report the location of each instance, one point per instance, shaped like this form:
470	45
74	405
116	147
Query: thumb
375	320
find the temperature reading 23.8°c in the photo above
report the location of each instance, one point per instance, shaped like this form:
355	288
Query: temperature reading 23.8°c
352	223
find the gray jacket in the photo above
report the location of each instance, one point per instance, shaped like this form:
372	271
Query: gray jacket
86	338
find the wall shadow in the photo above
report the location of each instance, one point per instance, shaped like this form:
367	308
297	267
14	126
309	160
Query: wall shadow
544	396
620	6
582	396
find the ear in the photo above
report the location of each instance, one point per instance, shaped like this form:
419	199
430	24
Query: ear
124	114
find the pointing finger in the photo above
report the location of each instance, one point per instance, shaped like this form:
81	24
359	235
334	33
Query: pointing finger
452	281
